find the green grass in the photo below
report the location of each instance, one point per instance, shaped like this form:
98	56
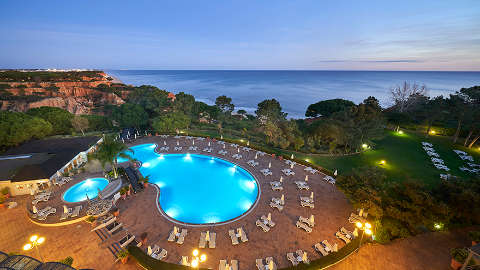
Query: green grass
404	156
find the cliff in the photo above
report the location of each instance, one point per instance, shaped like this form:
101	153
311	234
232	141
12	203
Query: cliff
79	97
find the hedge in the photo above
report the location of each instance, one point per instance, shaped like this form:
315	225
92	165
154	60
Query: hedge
330	259
150	263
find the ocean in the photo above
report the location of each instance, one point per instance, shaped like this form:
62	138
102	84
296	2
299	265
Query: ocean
295	90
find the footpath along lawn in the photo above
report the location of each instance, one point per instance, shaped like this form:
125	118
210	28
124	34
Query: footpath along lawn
404	157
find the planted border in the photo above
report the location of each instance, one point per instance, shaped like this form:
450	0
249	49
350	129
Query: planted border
150	263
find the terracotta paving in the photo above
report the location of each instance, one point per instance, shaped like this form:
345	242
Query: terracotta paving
331	212
140	214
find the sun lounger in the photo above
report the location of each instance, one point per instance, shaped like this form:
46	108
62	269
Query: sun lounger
262	225
76	211
271	263
67	212
233	237
243	235
276	186
304	226
127	239
41	199
212	240
234	264
267	221
292	258
181	237
306	204
162	255
302	185
276	205
222	265
339	235
173	234
309	221
184	261
45	214
319	247
302	256
329	247
347	233
259	263
203	240
112	228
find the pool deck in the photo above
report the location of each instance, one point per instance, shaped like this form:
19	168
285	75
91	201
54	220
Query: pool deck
139	214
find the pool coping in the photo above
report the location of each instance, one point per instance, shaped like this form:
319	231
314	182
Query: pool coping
159	208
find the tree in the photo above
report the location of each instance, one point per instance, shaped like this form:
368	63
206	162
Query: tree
242	112
130	115
171	122
270	110
404	96
60	119
80	123
224	103
328	107
108	152
153	100
17	127
184	103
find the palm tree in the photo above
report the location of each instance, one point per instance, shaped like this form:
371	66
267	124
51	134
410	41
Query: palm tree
109	150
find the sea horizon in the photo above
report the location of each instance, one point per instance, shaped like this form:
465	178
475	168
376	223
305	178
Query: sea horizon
294	89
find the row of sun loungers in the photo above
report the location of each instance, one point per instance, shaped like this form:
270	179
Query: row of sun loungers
237	156
236	236
223	265
192	148
164	148
265	222
325	248
311	170
299	257
44	213
70	212
463	155
208	149
270	264
222	152
435	157
41	198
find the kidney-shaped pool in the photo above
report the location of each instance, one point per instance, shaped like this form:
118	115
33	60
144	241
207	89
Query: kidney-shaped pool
197	189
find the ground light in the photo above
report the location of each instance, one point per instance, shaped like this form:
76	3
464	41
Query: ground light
438	226
35	241
432	132
400	132
365	146
307	160
366	228
382	162
196	260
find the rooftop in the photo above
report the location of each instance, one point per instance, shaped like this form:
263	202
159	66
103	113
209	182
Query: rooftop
40	159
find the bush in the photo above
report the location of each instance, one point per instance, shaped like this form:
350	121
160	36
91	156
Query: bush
68	261
150	263
5	190
459	254
90	219
2	199
474	236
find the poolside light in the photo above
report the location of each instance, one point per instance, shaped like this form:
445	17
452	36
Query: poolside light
248	143
221	137
270	164
196	260
164	143
306	178
382	162
241	140
291	157
307	160
432	132
178	143
365	146
193	142
400	132
35	241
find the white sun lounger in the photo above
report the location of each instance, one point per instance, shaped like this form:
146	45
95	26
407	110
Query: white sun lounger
319	247
233	237
339	235
306	204
271	263
212	241
302	256
276	205
76	211
347	233
292	258
309	221
203	240
259	263
181	237
45	214
304	226
162	255
243	235
173	234
67	212
184	261
262	225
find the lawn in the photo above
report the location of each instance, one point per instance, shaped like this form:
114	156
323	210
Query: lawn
404	158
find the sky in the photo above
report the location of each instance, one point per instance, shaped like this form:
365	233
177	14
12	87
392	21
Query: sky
234	34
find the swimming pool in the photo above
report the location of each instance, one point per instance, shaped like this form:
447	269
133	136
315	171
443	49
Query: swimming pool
79	191
197	189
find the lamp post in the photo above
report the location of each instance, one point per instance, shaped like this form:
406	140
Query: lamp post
366	228
35	241
196	260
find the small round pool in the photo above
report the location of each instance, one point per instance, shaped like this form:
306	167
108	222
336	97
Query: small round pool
88	187
198	189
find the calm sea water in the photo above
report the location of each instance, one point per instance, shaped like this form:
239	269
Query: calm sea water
294	89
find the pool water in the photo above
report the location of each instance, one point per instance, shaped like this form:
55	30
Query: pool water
197	189
79	191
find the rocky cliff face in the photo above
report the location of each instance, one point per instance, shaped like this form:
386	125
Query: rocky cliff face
76	97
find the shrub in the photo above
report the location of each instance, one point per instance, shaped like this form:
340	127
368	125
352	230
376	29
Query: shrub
474	235
5	190
459	254
68	261
150	263
2	199
90	219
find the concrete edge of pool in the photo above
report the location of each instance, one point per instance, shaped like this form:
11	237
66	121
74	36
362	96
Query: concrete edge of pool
175	221
70	189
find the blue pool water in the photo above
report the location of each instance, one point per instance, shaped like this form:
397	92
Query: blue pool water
79	191
195	188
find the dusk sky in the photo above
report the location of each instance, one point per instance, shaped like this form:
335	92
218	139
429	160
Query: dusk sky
277	34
